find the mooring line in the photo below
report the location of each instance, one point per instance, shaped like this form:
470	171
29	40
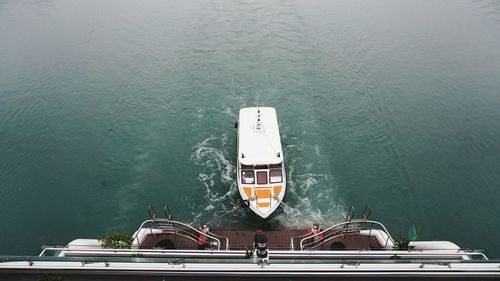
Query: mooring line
223	215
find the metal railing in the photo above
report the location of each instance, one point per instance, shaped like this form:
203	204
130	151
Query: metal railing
168	226
348	227
352	227
416	256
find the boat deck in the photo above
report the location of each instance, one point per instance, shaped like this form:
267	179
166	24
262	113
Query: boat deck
277	240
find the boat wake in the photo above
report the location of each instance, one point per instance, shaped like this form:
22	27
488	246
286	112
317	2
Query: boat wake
217	176
311	190
299	210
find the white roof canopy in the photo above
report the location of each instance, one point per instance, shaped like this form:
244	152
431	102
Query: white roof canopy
259	137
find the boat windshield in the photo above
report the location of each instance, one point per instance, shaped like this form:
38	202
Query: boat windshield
247	177
262	177
275	176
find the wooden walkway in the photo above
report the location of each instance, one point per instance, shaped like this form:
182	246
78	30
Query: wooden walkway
276	240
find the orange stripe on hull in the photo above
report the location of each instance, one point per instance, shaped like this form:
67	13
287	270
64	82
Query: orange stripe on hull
248	191
262	193
263	204
277	190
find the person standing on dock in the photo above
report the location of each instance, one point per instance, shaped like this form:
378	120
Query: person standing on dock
314	230
202	242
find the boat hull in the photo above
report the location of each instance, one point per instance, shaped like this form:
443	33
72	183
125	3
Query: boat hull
261	173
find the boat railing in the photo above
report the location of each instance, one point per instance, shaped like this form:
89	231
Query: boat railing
168	226
349	227
386	256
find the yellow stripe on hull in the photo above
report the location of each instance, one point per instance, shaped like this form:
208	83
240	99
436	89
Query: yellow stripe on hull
263	194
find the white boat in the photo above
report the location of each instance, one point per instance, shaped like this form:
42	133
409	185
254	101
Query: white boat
260	169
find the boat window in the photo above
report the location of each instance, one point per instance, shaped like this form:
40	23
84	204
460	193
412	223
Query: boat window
275	166
246	167
259	167
275	176
247	177
262	177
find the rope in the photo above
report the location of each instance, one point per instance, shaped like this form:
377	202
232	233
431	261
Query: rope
223	215
283	203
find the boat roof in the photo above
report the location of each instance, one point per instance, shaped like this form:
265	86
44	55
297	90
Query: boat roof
259	137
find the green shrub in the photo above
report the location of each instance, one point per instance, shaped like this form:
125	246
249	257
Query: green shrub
116	241
403	243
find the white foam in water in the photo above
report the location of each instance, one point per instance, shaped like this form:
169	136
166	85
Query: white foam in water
310	196
217	175
316	149
230	113
302	207
198	116
311	190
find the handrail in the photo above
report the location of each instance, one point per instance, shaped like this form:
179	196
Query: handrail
189	227
368	209
194	238
332	254
187	236
317	244
340	225
221	237
292	246
197	231
350	214
323	241
151	212
169	214
211	235
345	224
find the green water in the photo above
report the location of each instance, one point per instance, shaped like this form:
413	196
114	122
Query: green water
109	106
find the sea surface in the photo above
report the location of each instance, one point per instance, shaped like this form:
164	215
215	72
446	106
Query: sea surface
107	107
